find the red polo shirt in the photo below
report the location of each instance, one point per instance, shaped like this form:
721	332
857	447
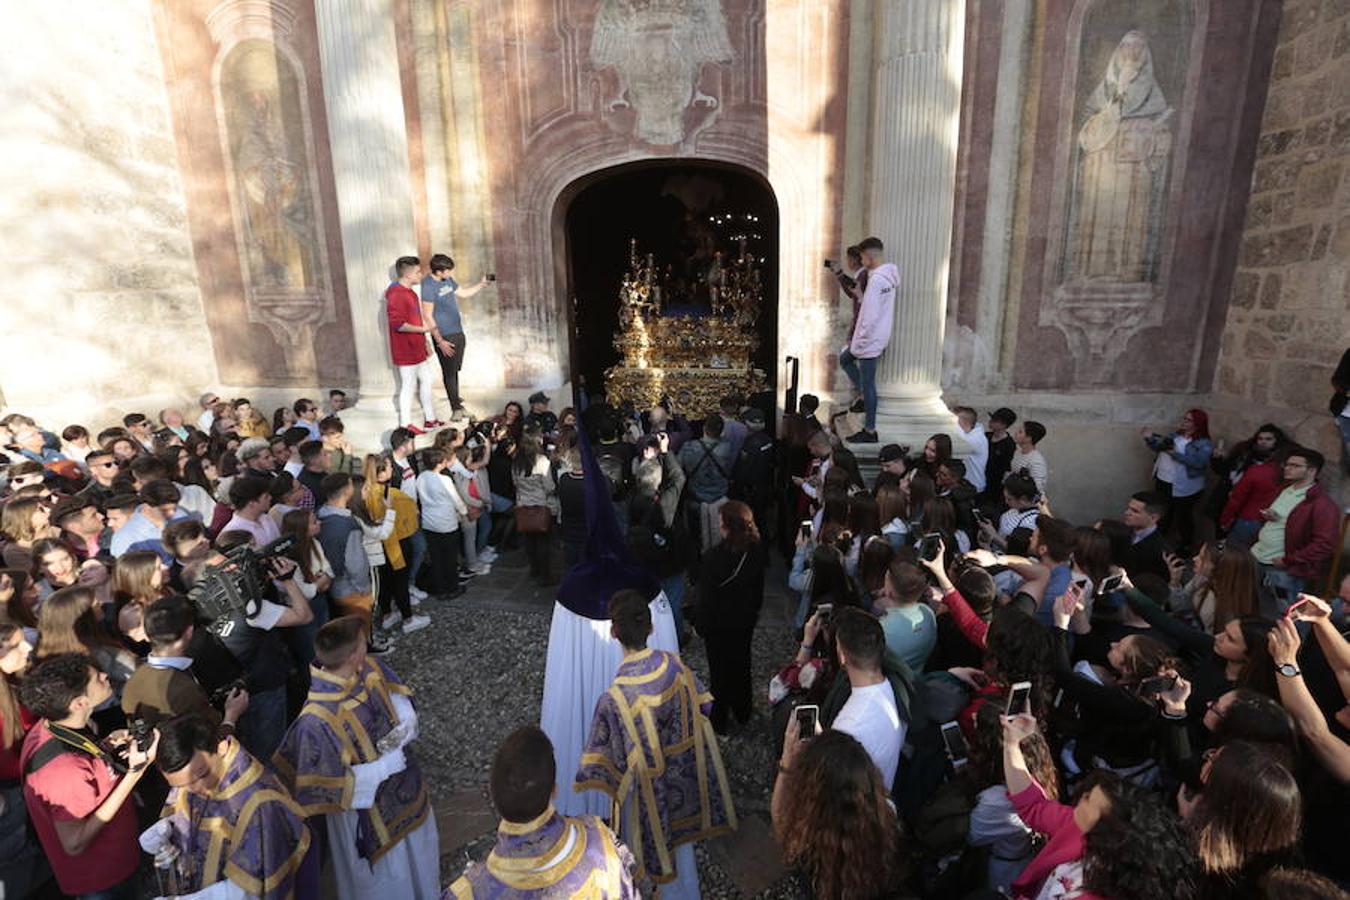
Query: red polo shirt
71	787
408	348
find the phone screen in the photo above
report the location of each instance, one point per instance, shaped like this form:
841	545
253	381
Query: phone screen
930	546
955	742
1109	584
1156	685
807	716
806	529
1019	698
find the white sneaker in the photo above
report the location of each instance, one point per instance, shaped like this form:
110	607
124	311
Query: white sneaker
413	600
480	568
391	621
416	623
487	555
416	593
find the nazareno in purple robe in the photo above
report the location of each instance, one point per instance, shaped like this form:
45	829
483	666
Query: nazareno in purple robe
552	856
653	751
249	831
338	727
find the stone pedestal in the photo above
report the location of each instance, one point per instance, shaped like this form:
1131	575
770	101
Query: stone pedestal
916	122
368	136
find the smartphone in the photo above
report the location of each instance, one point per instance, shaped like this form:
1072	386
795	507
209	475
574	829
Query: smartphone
1289	613
1110	584
1019	699
1081	582
806	529
981	517
930	545
1158	684
808	716
955	743
825	610
491	276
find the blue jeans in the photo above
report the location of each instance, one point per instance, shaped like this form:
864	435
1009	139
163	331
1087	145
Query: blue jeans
263	724
863	374
484	526
674	587
502	504
418	542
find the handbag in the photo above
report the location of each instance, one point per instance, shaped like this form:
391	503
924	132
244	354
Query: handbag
532	519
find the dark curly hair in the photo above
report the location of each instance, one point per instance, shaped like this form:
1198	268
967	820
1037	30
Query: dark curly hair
1021	649
836	814
986	753
1138	850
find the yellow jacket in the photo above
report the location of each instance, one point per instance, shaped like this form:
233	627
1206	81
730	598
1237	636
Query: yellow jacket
405	519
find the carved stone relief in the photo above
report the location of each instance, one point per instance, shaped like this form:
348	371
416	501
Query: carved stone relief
657	51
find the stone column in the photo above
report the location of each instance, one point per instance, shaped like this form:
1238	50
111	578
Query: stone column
368	136
915	128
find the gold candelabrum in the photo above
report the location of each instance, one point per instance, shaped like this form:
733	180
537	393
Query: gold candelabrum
696	359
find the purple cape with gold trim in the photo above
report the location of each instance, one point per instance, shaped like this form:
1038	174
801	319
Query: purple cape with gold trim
653	751
249	831
550	857
339	726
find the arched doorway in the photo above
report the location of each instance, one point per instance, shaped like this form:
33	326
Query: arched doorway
681	212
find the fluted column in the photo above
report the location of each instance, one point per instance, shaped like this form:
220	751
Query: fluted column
915	129
367	133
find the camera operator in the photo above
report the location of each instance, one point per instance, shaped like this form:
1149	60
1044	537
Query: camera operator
167	685
249	631
76	787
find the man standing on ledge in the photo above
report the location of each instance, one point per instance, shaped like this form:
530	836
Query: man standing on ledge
871	334
440	306
408	344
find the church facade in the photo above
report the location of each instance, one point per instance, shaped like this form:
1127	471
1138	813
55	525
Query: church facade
1103	213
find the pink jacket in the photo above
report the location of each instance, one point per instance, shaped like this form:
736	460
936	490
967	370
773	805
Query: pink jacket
872	332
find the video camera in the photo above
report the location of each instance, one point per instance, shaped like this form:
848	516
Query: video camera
237	584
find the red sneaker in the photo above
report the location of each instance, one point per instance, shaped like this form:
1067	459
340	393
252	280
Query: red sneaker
414	429
433	423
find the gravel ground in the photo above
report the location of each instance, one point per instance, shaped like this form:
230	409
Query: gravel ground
479	673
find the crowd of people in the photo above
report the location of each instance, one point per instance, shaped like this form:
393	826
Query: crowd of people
984	699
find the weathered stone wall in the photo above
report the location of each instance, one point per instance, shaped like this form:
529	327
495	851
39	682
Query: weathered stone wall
99	307
1289	318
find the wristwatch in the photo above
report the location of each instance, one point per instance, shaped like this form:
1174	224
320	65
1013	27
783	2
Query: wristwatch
1288	670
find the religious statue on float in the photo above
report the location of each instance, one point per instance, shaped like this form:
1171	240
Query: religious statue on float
1123	152
667	349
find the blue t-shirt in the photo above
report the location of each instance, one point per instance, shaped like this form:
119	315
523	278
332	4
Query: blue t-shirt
446	311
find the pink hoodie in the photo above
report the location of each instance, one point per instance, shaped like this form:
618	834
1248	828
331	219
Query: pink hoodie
872	332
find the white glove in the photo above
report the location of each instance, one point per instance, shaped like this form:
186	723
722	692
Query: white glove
369	777
157	836
407	717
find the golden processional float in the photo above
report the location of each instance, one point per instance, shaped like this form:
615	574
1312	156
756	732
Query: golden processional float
706	356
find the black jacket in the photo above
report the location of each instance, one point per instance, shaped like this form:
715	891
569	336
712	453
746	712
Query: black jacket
1147	556
731	588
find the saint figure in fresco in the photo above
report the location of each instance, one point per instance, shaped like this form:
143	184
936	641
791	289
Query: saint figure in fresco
1123	154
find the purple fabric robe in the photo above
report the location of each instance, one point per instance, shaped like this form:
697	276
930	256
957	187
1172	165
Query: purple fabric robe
653	751
550	857
339	726
249	831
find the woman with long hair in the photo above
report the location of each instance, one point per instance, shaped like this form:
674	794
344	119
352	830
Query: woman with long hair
57	567
939	517
379	495
1179	471
283	417
23	867
535	490
25	521
1224	587
1118	842
313	575
731	592
14	719
1251	476
513	419
68	623
139	577
833	817
1237	656
18	597
993	821
1245	819
893	513
873	563
922	490
936	451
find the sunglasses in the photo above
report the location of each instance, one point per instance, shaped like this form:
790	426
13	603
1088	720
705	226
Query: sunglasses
105	465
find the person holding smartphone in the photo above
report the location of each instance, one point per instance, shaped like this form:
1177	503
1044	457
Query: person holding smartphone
440	306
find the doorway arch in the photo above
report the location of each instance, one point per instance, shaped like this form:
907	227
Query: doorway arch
675	209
